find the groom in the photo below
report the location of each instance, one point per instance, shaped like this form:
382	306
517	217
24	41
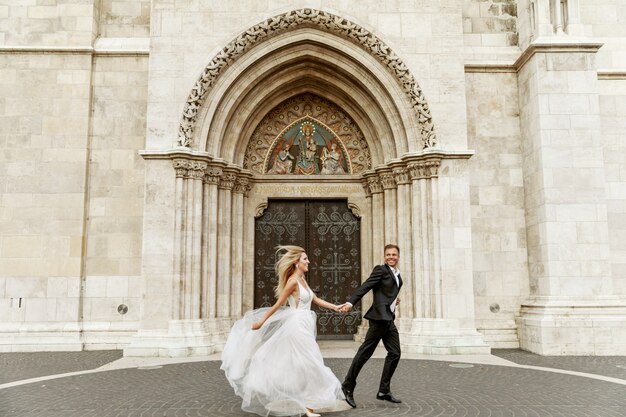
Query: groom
385	282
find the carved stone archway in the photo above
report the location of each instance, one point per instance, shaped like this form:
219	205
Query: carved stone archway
301	18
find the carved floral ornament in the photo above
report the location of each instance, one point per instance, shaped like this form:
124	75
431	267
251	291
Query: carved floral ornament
375	182
289	21
225	178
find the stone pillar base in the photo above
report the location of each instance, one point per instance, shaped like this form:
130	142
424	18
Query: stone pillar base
440	337
182	338
573	326
40	337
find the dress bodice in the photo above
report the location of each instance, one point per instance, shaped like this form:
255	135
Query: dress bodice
305	298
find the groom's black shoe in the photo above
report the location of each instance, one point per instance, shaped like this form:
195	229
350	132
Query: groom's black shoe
349	396
388	397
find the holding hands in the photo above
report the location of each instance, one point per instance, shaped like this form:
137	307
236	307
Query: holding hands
344	308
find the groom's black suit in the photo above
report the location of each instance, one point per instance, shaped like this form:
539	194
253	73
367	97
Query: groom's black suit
382	327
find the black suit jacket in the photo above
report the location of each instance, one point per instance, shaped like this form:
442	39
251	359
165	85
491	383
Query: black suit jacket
382	282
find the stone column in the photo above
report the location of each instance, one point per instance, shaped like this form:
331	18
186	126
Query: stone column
180	166
366	237
227	182
209	245
236	264
402	179
419	230
443	321
434	250
391	212
378	216
193	291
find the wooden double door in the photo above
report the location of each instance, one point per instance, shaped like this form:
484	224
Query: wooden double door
331	236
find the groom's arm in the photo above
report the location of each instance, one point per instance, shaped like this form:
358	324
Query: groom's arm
373	281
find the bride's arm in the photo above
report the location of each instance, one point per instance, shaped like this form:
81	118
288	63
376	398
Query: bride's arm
325	304
289	288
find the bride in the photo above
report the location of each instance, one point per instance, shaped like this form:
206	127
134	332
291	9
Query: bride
271	357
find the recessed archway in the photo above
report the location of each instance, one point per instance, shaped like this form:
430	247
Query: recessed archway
310	51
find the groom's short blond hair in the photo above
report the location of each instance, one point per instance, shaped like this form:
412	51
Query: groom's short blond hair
392	246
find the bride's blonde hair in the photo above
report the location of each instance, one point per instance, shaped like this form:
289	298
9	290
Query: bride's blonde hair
286	265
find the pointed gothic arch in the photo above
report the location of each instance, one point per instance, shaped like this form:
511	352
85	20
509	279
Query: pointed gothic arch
286	22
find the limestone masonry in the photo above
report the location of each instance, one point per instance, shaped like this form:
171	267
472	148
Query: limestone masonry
144	142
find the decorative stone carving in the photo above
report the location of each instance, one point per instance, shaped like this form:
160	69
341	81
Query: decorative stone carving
374	185
290	21
227	181
197	170
387	180
431	168
181	166
401	175
242	185
424	169
355	210
260	209
307	105
212	175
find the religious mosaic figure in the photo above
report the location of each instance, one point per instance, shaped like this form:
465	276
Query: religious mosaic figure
307	163
284	161
331	161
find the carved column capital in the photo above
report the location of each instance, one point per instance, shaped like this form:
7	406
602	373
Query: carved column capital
387	180
401	175
180	166
424	169
212	175
416	170
197	169
431	168
374	184
227	180
242	185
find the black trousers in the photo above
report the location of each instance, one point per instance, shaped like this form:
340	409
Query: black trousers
388	333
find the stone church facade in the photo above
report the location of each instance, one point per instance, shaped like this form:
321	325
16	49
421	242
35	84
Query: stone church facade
155	152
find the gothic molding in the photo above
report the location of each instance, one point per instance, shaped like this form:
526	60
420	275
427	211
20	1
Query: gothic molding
181	166
302	18
212	175
355	210
227	180
260	209
401	175
374	184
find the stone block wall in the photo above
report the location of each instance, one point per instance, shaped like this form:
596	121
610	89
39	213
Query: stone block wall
48	22
71	183
497	201
124	18
44	124
606	21
116	191
613	121
490	22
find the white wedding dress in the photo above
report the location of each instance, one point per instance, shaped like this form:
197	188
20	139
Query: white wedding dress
278	369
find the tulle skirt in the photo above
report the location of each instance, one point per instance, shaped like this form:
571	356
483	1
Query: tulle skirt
278	369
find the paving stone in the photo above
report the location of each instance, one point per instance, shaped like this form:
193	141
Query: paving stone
613	366
427	388
18	366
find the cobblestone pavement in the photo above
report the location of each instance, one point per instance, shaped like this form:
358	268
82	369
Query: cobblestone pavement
18	366
613	366
427	388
